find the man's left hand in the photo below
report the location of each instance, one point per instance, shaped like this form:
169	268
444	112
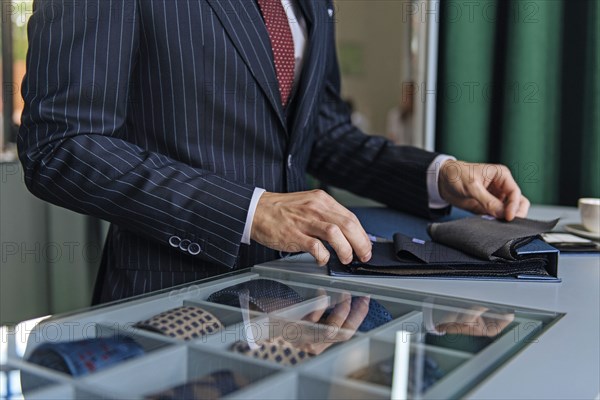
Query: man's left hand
482	189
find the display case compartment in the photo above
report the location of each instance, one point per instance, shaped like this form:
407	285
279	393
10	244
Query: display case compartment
368	352
171	367
294	386
33	374
411	322
515	335
309	335
314	288
298	333
169	362
398	310
339	362
228	316
484	361
308	292
310	387
275	387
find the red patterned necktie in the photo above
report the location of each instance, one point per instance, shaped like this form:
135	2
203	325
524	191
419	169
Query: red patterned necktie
282	43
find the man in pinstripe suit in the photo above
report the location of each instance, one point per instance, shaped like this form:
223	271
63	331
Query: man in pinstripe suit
167	118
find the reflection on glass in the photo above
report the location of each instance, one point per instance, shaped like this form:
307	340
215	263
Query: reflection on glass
477	321
468	329
382	373
342	320
329	331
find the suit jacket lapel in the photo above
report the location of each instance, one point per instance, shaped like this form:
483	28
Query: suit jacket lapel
244	25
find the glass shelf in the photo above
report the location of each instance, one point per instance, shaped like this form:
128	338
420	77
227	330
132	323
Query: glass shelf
451	344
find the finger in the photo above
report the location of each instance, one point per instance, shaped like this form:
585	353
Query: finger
358	312
523	209
347	221
316	248
351	233
340	311
504	187
513	195
512	205
332	234
488	202
317	313
354	233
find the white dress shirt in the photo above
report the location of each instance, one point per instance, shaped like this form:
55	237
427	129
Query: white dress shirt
299	34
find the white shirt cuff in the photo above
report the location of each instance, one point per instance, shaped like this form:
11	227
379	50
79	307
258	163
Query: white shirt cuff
250	217
433	174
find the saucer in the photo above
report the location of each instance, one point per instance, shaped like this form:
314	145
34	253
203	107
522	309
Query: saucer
579	230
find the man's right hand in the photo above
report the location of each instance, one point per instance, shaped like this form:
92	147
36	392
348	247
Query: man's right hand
299	221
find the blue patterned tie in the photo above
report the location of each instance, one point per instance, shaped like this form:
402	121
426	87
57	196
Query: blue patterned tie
264	294
85	356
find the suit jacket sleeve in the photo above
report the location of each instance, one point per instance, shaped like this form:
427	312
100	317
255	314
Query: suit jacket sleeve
369	166
81	59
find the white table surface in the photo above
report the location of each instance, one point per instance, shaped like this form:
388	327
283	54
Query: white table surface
564	362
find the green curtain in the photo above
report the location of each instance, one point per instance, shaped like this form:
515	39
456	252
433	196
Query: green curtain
519	84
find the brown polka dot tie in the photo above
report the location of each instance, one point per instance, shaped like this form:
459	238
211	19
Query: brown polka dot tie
276	350
185	323
282	43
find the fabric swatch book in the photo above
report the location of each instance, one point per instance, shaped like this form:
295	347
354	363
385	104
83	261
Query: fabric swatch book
478	247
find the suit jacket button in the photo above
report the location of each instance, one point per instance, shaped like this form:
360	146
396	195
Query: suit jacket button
194	249
289	161
185	244
174	241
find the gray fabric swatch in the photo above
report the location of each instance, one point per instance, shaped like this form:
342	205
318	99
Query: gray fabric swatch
488	238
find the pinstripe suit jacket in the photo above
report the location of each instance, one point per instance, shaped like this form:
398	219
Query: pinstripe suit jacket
162	116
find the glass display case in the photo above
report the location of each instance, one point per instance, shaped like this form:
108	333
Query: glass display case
270	334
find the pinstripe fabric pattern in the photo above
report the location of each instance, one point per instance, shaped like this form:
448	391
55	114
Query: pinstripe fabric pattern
162	116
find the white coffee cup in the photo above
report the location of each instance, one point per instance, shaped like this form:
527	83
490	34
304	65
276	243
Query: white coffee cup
590	214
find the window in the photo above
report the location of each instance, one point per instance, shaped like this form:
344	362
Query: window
15	14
